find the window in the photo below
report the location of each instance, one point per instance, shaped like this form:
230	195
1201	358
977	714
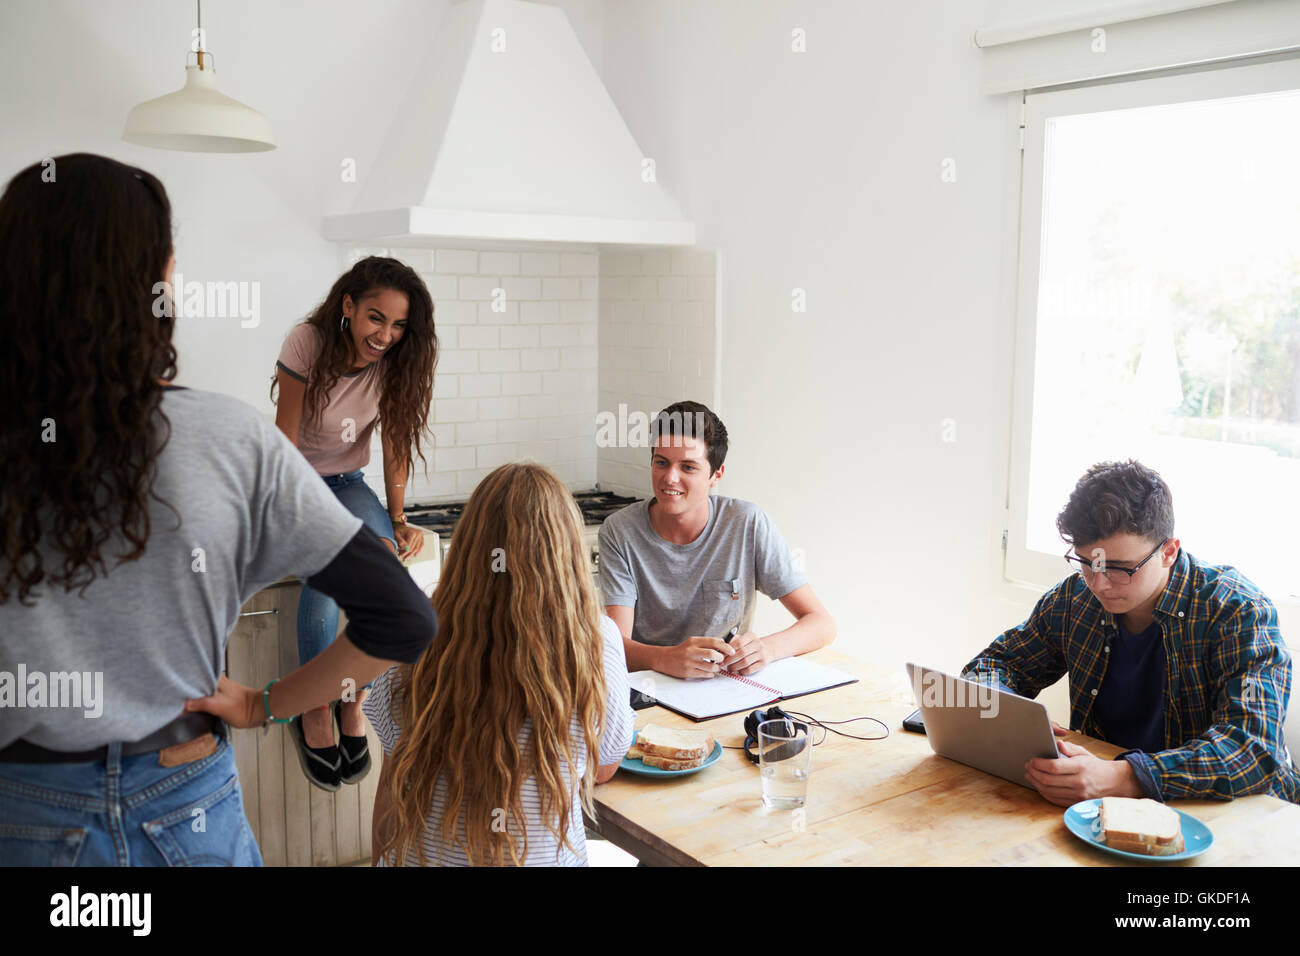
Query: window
1159	311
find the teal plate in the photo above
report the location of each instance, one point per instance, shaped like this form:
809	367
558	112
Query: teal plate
1084	820
635	765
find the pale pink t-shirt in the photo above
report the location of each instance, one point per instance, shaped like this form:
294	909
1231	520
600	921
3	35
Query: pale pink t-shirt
333	445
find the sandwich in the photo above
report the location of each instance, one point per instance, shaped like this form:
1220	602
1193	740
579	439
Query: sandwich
1140	826
670	749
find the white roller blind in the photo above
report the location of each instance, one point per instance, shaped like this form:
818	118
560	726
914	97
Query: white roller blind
1037	45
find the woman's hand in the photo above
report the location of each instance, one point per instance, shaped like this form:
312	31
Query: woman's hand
408	538
237	705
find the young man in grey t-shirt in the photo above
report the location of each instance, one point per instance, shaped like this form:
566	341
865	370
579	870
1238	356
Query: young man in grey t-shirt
680	571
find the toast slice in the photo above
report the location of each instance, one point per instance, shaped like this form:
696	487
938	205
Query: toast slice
657	741
635	752
667	763
1140	826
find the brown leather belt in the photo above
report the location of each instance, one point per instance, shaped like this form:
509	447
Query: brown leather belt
184	728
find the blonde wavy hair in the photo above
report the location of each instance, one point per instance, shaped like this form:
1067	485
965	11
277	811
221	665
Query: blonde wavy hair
518	640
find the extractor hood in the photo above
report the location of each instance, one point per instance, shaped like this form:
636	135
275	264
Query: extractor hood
508	133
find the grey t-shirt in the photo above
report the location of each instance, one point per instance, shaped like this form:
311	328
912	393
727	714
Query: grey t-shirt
705	587
156	628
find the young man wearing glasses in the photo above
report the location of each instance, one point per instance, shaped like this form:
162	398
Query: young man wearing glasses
1178	661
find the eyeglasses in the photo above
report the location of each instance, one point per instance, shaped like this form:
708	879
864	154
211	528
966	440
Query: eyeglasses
1114	575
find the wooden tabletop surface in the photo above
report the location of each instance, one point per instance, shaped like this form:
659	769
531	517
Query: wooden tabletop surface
887	802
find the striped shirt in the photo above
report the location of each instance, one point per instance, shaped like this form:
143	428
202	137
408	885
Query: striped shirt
1227	679
543	848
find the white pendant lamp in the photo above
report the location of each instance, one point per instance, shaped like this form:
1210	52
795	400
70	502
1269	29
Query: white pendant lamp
197	117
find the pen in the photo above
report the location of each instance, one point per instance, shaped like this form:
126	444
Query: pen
732	633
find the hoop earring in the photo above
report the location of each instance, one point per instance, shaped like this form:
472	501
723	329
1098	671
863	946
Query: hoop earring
343	322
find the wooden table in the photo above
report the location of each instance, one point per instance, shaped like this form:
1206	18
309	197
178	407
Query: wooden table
889	802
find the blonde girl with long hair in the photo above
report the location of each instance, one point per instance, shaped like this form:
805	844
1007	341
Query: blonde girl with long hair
495	737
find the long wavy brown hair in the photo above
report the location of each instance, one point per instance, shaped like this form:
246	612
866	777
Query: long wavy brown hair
518	640
84	240
407	385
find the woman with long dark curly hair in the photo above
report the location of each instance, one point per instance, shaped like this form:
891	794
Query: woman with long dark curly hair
364	357
136	517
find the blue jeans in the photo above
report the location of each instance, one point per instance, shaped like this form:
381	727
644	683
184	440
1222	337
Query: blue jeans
318	615
126	811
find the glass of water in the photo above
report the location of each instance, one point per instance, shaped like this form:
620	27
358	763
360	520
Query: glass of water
785	760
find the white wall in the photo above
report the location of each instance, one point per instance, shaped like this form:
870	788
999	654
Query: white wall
821	171
329	76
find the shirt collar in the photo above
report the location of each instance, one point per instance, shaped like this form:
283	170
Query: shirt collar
1178	590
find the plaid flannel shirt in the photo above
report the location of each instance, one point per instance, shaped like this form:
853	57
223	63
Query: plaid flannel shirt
1227	678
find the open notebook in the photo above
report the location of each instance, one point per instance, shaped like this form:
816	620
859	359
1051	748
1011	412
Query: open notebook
731	694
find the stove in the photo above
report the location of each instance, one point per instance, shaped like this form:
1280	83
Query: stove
595	506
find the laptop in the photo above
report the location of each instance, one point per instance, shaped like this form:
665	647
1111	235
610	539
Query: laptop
982	726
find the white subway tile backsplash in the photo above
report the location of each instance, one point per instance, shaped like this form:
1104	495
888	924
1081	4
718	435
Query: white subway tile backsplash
626	312
446	337
491	456
492	409
454	459
579	263
655	263
477	433
479	337
477	287
451	312
539	406
498	312
692	262
578	403
581	311
566	287
521	288
540	264
700	288
456	409
561	335
440	287
445	386
516	430
643	287
543	451
670	287
521	383
467	481
498	360
456	362
578	358
591	288
498	263
480	386
534	360
456	261
621	264
521	337
538	312
614	287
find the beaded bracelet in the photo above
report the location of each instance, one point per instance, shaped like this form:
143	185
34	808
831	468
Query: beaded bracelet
266	702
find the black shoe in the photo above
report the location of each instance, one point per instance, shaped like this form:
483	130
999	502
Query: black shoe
354	752
322	766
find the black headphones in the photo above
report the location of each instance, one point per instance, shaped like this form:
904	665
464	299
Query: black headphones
789	727
792	728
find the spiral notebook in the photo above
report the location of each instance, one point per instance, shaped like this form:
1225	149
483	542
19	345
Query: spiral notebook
730	693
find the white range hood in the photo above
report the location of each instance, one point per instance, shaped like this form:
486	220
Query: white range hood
508	134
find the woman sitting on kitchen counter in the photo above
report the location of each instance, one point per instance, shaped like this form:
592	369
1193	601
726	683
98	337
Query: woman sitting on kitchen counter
365	357
136	517
495	736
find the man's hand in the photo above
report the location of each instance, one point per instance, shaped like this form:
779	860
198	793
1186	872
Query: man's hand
694	657
752	654
1080	776
237	705
1058	729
